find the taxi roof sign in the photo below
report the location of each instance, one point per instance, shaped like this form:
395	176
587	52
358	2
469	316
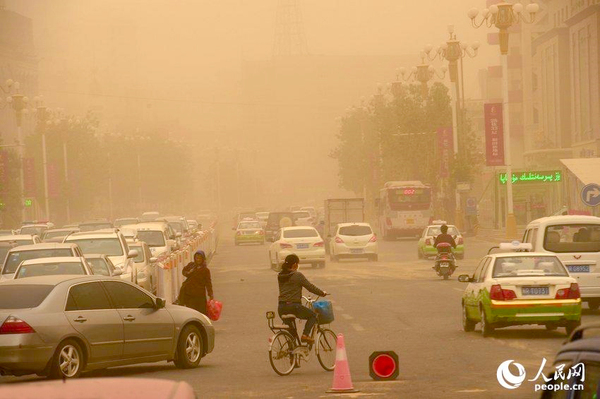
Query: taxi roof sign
515	246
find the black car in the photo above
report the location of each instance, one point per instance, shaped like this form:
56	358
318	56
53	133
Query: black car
583	347
276	221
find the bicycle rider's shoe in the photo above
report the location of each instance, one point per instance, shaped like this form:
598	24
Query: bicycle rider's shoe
307	339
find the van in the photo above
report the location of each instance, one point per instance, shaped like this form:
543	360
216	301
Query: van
575	239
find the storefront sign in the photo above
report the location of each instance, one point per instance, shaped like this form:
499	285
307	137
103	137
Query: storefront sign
547	176
494	134
445	150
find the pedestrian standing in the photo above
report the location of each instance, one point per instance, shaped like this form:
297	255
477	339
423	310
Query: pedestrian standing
197	285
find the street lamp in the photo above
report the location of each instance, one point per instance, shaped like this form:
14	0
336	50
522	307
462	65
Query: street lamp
422	73
42	115
18	102
452	51
503	16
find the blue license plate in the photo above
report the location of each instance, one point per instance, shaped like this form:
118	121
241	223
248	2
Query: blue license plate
356	251
302	246
536	290
579	268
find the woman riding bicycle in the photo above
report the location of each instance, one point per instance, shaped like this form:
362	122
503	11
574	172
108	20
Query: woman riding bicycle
291	282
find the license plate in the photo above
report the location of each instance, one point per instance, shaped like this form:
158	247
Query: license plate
444	264
536	290
302	246
410	221
579	268
356	251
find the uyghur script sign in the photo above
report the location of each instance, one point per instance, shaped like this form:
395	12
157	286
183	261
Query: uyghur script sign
548	176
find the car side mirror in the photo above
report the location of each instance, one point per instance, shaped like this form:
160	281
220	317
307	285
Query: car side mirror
132	253
160	303
153	259
118	271
464	278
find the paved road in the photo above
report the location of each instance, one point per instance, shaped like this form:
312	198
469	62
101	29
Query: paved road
395	304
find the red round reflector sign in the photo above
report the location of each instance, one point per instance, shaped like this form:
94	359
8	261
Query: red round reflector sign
384	366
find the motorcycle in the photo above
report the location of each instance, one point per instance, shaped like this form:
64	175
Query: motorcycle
445	263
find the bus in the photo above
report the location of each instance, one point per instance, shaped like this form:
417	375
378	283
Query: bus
405	209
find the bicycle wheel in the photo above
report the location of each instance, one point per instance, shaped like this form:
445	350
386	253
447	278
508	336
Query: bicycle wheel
281	353
326	344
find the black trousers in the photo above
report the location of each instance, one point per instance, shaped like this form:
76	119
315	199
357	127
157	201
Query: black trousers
301	312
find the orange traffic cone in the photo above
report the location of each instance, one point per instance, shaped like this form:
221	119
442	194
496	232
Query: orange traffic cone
342	382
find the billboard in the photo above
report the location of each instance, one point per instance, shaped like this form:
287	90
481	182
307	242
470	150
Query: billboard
445	150
494	134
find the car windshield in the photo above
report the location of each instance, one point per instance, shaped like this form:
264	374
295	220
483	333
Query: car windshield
140	256
16	257
572	238
249	225
23	296
355	231
99	266
94	226
301	233
435	231
123	222
528	266
33	230
50	269
105	246
152	238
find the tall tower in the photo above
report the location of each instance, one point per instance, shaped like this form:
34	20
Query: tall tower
289	30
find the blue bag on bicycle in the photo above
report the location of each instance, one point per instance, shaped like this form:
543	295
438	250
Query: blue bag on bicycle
324	311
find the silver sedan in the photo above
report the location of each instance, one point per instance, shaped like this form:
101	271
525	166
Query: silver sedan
60	326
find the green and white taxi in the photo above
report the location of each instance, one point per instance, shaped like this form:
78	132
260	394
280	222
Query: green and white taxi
519	288
249	231
425	246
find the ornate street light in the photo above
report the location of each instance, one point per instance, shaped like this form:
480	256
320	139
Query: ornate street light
422	73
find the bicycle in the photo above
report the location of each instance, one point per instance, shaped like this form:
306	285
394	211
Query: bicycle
286	350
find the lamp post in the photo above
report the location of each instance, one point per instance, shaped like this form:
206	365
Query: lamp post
422	73
42	116
503	16
18	102
452	51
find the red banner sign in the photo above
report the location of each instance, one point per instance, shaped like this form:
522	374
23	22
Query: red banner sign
29	176
445	149
494	134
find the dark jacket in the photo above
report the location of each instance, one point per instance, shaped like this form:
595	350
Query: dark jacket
290	286
444	238
198	281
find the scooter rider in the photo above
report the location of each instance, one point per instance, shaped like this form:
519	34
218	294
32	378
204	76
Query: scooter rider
291	283
444	237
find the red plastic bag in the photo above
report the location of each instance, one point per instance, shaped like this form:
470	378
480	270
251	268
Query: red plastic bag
213	309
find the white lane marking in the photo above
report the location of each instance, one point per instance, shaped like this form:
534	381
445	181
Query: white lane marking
471	391
338	308
357	327
347	316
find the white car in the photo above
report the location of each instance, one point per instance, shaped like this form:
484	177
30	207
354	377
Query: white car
575	240
17	255
53	267
102	266
311	210
150	216
303	241
354	240
145	265
21	239
111	243
157	236
303	218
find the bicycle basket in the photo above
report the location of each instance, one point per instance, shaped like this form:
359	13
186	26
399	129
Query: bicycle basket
324	311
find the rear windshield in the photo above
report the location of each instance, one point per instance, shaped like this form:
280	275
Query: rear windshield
249	225
50	269
16	257
572	238
528	266
152	238
23	296
94	226
355	231
99	266
300	233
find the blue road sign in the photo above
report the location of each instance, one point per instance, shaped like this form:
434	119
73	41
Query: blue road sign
590	194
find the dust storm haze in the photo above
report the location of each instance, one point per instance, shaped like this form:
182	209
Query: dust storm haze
213	78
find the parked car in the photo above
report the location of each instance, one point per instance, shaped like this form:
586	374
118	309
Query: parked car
58	235
303	241
575	239
520	288
122	221
61	326
354	240
157	236
303	218
34	229
145	265
109	242
425	248
95	225
102	265
249	232
21	239
22	253
53	267
178	224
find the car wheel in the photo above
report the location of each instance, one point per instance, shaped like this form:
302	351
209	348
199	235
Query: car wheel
486	328
571	326
468	324
189	348
594	305
68	360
